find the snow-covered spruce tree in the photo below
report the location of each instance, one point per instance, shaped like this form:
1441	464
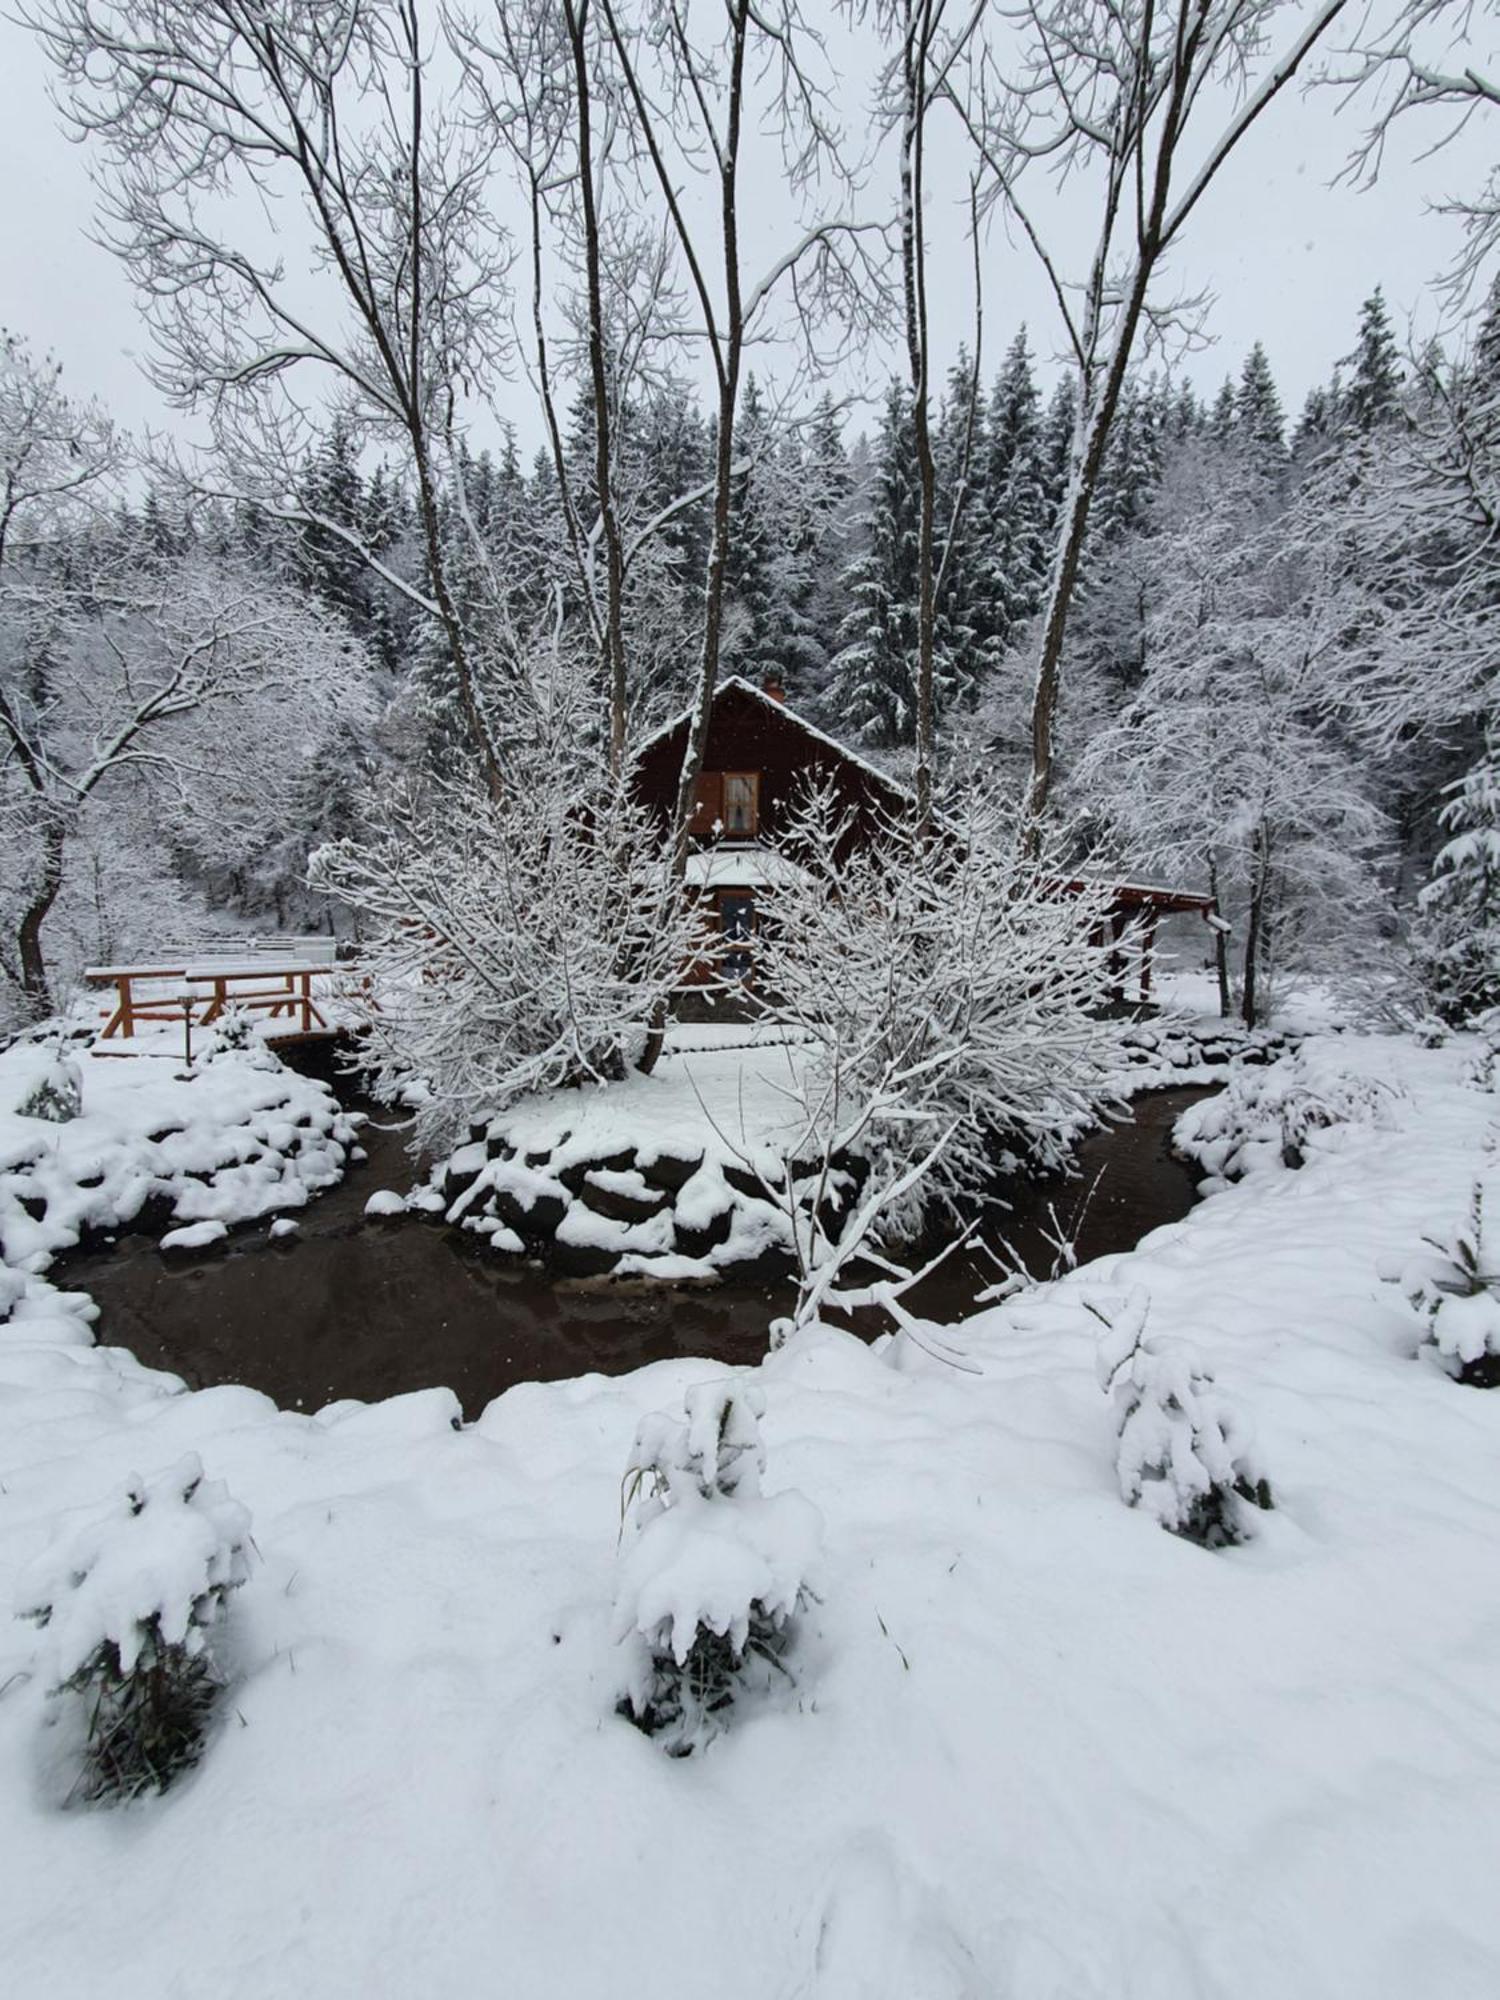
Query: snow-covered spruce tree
712	1572
56	1093
1185	1453
129	1603
1455	1286
1459	946
513	943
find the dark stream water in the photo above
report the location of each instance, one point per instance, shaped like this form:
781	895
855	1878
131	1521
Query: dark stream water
350	1307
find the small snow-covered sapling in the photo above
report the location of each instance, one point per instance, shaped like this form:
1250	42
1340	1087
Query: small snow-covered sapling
129	1602
712	1572
1456	1289
1184	1451
57	1093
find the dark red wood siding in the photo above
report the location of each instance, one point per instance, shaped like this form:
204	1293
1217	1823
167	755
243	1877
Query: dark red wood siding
749	732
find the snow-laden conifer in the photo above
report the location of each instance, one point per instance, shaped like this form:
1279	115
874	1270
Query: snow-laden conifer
128	1602
1185	1453
56	1093
1461	903
712	1572
1455	1286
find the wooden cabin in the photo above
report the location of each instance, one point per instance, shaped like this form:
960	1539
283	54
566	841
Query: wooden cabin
759	755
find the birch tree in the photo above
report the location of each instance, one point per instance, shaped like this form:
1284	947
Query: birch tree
379	288
1140	105
192	687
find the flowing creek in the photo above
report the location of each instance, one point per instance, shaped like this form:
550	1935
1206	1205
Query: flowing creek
363	1308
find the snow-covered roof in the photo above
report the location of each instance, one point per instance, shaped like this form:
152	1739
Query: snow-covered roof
782	708
746	867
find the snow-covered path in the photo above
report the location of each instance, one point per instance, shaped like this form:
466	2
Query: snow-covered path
1041	1748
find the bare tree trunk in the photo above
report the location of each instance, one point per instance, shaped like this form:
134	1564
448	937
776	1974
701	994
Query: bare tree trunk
616	676
916	41
1095	417
726	335
1254	924
34	982
1221	946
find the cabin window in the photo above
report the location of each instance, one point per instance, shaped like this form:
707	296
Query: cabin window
741	804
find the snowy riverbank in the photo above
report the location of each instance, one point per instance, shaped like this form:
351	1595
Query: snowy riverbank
678	1176
1038	1747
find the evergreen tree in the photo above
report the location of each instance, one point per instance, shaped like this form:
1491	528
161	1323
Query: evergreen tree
1460	949
1373	396
874	672
1057	443
1316	425
1260	425
1221	417
332	489
1017	501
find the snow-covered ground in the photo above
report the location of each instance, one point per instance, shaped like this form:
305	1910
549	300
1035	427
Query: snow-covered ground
228	1141
1038	1748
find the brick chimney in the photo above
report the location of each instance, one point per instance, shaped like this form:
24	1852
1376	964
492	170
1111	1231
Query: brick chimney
772	685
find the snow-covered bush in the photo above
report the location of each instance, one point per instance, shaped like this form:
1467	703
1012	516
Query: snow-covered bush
950	987
513	944
1455	1286
1271	1118
713	1572
128	1602
1185	1452
56	1090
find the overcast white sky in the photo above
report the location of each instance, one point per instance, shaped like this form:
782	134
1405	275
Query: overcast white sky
1288	256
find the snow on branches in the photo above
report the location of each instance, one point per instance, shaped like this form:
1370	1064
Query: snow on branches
950	990
1460	947
128	1602
1185	1453
521	942
1455	1287
712	1572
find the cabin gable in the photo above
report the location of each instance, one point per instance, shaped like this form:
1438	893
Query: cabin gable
758	757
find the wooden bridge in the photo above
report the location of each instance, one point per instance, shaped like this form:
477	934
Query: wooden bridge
191	988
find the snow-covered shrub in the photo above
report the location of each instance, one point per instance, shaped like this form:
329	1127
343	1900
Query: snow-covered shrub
1430	1032
1271	1118
1455	1286
950	987
56	1090
1184	1452
129	1602
1482	1071
513	944
713	1572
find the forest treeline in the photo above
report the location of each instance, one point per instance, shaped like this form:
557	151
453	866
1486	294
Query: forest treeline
1240	710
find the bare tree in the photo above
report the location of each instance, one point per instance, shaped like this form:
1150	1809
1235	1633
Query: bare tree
929	58
1426	60
696	108
1143	104
327	105
185	684
54	454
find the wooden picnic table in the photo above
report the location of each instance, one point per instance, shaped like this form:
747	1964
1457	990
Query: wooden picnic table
260	983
